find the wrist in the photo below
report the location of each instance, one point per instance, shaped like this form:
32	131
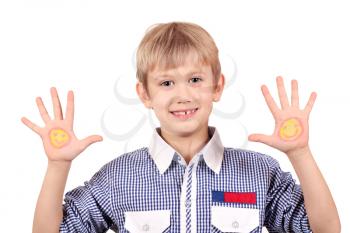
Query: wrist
65	165
298	153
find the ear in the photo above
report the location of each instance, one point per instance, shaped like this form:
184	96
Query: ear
219	88
143	95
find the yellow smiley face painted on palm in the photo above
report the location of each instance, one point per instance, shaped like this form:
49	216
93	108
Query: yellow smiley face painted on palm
59	138
291	129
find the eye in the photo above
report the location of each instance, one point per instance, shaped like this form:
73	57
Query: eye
165	83
196	79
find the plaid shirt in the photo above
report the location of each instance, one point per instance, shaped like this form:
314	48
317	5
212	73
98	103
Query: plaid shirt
152	189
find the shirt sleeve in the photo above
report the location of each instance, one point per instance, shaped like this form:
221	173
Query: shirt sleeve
87	209
285	209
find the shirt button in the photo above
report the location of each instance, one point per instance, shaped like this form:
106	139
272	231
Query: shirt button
235	224
145	227
188	204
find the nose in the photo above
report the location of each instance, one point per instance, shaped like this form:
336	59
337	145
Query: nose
183	94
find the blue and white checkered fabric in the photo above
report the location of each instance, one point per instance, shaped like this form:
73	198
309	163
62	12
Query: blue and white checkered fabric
152	189
188	197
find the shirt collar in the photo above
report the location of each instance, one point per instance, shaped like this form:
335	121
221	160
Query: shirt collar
162	153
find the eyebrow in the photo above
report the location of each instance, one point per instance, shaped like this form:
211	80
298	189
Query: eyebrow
167	75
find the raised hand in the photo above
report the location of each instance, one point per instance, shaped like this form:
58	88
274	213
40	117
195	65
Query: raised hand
60	142
291	123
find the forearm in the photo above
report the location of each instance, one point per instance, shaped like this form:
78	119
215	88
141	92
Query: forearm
48	212
319	204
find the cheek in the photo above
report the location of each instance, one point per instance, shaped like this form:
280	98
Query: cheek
207	89
161	102
206	97
206	104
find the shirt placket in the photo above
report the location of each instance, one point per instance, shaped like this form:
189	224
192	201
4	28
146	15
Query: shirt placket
188	199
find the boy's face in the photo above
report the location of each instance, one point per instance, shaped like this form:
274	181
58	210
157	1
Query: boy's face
189	88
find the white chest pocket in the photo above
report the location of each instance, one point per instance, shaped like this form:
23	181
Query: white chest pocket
155	221
230	219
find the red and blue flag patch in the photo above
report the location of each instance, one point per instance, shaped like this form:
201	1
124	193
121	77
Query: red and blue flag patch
234	197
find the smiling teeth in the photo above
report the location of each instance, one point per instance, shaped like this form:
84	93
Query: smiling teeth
184	113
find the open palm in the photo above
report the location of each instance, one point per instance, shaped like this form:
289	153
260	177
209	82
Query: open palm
291	123
60	142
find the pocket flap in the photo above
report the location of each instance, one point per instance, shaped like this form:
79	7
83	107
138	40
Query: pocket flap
147	221
231	219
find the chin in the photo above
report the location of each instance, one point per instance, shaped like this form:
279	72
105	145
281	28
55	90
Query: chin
185	129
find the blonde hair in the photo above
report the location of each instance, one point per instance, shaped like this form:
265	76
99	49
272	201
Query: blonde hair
167	45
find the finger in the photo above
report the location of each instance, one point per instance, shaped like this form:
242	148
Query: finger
266	139
269	101
295	94
31	125
56	104
43	112
70	109
282	93
310	102
89	140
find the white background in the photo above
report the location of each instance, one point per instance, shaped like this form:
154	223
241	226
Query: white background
86	46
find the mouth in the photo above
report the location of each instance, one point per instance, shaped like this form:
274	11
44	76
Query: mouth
185	113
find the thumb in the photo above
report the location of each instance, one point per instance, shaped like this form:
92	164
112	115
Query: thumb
89	140
259	138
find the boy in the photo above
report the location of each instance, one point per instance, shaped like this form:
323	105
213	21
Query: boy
186	180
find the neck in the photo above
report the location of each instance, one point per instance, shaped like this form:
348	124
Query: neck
187	145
